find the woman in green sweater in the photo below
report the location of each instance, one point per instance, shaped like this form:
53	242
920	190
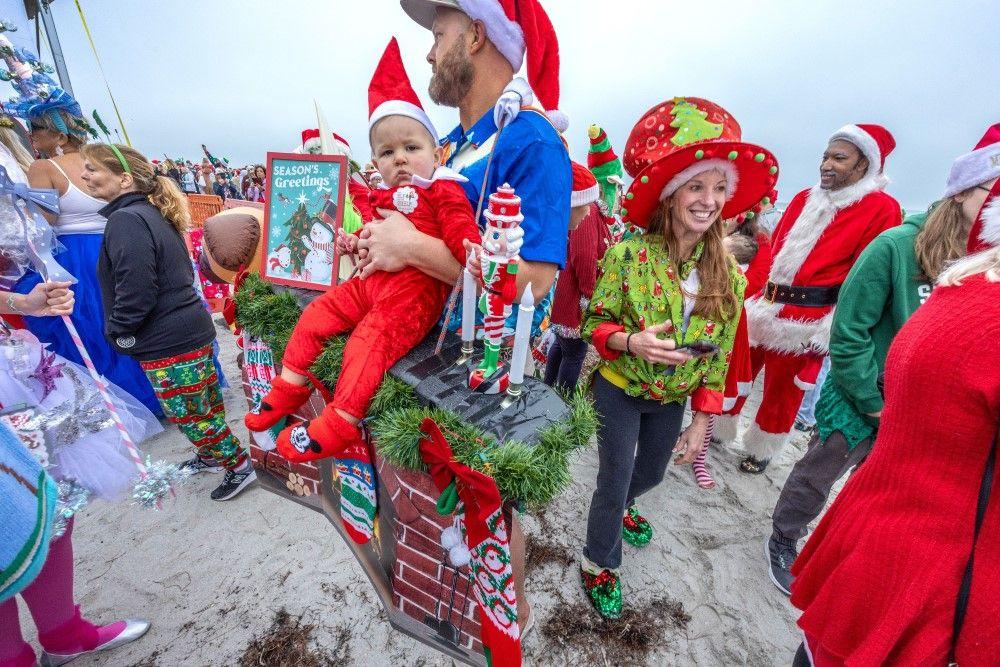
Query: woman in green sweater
663	316
893	276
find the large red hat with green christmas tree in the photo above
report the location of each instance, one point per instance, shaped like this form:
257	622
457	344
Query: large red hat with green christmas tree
675	141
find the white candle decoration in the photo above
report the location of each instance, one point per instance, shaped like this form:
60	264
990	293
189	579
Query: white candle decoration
468	306
522	336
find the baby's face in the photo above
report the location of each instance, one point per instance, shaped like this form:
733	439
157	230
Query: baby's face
402	148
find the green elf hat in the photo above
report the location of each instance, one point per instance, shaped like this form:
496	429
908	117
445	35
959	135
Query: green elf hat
604	164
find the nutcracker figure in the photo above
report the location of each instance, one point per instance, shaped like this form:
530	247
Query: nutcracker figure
497	270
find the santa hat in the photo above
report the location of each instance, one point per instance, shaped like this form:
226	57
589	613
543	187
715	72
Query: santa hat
515	27
985	232
390	92
585	190
979	166
310	140
874	141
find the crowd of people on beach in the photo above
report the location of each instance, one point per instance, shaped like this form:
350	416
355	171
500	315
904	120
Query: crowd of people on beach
215	177
877	332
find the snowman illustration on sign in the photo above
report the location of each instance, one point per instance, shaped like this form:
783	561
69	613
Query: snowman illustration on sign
318	265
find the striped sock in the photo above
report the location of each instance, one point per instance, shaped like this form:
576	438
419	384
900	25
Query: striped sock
701	474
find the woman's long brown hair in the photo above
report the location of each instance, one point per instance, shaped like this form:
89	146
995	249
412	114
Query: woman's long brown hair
942	239
716	298
161	191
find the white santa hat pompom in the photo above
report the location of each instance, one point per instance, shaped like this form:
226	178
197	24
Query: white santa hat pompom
559	120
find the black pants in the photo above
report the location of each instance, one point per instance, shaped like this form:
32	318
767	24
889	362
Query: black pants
808	486
626	471
566	357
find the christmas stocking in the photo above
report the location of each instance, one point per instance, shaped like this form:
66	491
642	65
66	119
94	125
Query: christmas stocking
283	399
332	435
485	534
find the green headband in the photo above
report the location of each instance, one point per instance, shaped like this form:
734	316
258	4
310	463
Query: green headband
121	158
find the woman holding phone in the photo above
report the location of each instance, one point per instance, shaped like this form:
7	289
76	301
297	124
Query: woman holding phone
664	315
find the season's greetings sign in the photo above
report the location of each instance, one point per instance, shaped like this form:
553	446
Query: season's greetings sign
305	201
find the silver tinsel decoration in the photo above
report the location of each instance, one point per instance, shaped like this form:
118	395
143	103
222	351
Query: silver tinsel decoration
72	499
69	421
158	483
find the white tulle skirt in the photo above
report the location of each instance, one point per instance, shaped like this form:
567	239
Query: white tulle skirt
68	415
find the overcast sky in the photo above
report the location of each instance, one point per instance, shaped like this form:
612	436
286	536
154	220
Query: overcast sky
240	76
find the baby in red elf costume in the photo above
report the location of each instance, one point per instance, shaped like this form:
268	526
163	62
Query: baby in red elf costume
387	314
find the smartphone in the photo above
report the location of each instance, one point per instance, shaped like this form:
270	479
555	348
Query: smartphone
700	348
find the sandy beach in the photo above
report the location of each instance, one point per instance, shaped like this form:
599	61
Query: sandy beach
213	576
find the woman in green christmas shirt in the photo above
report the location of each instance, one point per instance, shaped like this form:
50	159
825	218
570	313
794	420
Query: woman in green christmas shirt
664	316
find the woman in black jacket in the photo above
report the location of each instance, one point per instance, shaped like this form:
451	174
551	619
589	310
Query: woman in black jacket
152	312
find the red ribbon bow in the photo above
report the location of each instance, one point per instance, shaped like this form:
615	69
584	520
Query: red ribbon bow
477	491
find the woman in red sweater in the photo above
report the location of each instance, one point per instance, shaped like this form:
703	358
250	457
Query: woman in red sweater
881	581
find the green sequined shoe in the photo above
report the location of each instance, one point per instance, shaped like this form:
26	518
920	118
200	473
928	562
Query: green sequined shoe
604	592
635	529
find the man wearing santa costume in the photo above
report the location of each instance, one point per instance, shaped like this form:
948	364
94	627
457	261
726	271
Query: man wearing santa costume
818	239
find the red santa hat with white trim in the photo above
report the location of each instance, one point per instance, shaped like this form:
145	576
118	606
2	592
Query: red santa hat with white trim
980	165
390	92
985	232
874	141
585	190
518	28
310	141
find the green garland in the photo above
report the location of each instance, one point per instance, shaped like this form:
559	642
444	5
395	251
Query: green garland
532	474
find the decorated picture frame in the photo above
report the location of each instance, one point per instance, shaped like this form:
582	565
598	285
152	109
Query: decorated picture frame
306	195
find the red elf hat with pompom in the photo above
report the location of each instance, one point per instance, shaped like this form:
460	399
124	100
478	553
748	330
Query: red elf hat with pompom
678	139
518	28
390	92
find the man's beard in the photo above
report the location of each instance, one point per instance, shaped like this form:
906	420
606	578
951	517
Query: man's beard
453	77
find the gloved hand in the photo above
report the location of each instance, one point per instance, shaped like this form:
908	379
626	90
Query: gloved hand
517	94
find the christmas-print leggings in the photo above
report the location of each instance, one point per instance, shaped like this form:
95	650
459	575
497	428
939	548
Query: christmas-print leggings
635	439
187	387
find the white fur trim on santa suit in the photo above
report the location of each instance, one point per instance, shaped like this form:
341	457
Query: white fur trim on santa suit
865	143
700	167
990	232
803	385
782	334
505	34
402	108
440	174
796	336
974	169
763	445
725	429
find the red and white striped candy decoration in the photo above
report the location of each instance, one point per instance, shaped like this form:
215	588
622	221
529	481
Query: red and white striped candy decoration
133	450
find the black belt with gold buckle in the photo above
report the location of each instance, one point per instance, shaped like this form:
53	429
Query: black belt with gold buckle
814	297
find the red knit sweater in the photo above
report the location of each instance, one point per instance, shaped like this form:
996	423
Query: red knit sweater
878	580
587	244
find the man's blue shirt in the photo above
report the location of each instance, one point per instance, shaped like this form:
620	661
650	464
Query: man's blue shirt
530	156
